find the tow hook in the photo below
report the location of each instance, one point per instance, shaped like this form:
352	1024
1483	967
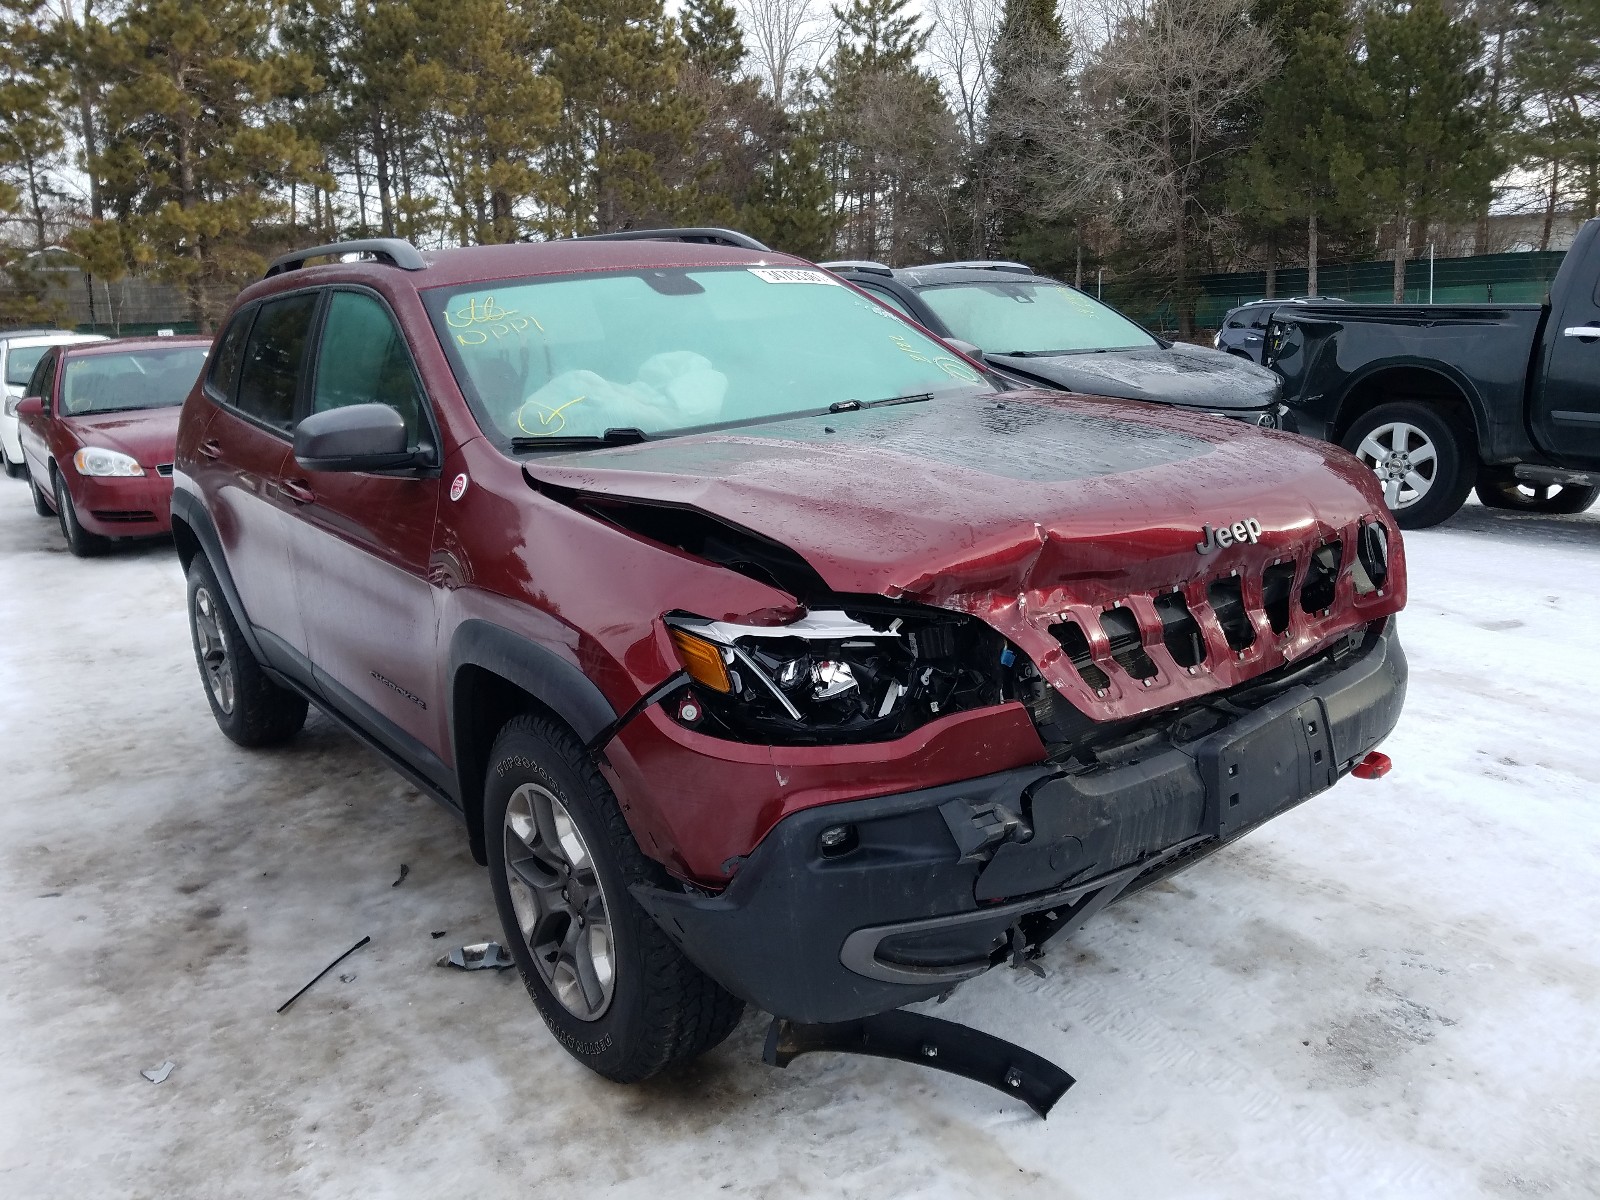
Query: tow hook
929	1042
1373	766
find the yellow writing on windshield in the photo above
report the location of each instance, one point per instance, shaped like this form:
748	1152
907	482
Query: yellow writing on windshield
906	346
484	321
551	420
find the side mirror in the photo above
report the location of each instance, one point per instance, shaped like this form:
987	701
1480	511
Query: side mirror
967	348
361	437
25	406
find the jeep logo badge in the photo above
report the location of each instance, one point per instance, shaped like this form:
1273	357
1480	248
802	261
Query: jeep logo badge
1247	530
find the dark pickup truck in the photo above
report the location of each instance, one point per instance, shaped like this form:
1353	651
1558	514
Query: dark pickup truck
1437	399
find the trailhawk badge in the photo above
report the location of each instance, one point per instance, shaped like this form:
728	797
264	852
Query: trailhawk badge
1247	530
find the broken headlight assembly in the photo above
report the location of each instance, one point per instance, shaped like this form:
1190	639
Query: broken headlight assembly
862	675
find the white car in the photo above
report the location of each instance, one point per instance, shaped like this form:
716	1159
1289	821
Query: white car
20	352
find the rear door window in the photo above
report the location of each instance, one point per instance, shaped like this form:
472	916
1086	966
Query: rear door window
269	377
224	373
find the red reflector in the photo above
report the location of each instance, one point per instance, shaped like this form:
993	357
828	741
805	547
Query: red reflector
1373	766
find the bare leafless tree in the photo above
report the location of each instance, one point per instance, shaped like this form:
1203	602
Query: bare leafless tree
963	33
784	39
1152	120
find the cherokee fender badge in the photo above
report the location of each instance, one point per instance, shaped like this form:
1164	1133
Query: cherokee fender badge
458	487
1247	530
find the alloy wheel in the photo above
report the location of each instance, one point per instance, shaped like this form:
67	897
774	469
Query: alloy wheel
559	902
215	660
1404	459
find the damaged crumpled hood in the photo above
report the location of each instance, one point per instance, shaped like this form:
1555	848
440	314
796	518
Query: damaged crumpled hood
1180	374
1020	509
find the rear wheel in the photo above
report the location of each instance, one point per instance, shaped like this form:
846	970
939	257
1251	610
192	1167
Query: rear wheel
612	987
1422	459
40	504
250	708
80	541
1501	489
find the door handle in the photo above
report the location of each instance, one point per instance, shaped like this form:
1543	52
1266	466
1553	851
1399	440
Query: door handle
297	491
1586	332
210	448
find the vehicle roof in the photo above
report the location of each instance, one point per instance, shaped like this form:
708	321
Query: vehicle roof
485	264
53	337
122	345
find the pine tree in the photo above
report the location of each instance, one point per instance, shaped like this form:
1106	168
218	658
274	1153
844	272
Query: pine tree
194	151
30	128
789	206
1305	169
617	62
711	37
893	146
1429	154
1555	66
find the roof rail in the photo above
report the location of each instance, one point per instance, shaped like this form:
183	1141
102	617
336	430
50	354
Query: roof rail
397	252
706	236
981	264
857	264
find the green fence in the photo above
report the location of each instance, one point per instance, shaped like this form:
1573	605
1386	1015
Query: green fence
1481	279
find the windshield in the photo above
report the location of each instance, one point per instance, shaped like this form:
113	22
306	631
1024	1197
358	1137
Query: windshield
132	379
1031	317
21	362
664	350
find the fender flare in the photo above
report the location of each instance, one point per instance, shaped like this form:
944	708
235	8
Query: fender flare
188	511
1442	371
553	681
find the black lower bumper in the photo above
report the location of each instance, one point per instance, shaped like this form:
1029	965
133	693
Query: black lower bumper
931	887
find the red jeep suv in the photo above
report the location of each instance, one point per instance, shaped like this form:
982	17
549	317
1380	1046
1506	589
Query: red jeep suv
769	650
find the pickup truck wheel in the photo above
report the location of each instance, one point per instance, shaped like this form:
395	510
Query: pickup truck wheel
41	505
613	988
250	709
80	541
1501	489
1421	460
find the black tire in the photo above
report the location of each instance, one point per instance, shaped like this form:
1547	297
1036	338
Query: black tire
41	504
80	541
661	1008
250	708
1448	472
1499	488
14	470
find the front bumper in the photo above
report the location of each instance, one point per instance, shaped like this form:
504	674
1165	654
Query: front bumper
121	507
935	886
1303	423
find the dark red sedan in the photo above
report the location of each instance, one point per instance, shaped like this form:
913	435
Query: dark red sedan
98	424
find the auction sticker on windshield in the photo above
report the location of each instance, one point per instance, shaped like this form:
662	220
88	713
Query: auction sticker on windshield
792	275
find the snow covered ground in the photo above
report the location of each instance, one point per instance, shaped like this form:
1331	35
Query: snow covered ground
1392	991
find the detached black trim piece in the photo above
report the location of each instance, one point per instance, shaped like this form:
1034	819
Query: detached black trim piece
396	252
927	1042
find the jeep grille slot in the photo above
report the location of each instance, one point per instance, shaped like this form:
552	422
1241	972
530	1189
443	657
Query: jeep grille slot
1227	601
1277	585
1372	558
1127	645
1180	631
1322	578
1076	644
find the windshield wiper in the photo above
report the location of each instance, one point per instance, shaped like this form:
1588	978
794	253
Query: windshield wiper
840	406
615	436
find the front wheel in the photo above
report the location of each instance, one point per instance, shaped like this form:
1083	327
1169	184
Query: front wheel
613	988
14	470
1501	489
250	708
1423	461
80	541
